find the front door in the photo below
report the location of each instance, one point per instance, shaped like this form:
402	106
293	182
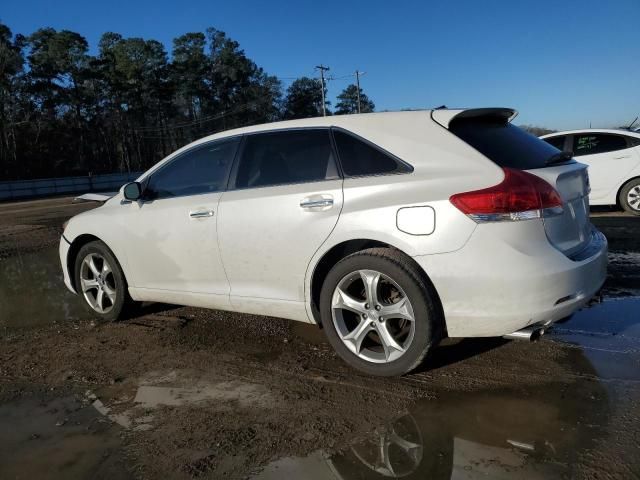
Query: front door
171	234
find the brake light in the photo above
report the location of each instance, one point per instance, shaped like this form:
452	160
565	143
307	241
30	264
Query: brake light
520	196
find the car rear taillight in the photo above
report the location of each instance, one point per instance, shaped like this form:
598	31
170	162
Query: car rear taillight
520	196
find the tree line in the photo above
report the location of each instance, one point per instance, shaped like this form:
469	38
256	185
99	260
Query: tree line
66	112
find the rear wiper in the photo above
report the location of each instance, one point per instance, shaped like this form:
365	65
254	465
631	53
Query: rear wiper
559	157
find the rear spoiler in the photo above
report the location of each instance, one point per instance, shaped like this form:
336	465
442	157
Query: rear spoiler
445	116
95	197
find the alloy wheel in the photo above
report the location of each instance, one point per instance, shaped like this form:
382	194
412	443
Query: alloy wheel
98	283
373	316
633	197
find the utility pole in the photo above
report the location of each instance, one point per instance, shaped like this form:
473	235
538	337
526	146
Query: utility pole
358	86
322	69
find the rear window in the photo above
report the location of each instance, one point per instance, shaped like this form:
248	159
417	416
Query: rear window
503	143
359	158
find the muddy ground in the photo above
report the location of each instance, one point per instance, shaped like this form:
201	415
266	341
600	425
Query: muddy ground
183	393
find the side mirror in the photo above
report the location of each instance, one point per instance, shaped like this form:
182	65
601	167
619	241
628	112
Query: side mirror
132	191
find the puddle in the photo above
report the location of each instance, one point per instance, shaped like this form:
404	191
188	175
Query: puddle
64	437
32	291
608	333
174	389
487	434
244	393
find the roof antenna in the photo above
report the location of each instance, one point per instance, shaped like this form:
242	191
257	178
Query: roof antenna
631	124
441	107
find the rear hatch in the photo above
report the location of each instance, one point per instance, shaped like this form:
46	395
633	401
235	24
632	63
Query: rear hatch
490	132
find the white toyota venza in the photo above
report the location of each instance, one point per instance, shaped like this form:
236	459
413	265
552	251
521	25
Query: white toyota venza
389	230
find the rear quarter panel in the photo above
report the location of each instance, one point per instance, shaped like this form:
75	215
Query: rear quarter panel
443	165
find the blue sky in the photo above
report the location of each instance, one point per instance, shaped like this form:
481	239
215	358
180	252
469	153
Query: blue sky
562	64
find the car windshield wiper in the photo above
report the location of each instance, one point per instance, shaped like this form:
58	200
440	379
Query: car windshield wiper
559	157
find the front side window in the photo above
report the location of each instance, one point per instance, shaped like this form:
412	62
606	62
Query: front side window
557	142
203	169
359	158
592	143
292	156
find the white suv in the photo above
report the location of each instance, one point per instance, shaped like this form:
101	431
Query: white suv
613	157
390	230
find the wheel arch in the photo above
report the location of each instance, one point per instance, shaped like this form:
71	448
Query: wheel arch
619	191
344	249
74	248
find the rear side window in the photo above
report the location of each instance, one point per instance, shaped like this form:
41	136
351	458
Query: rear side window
557	142
203	169
359	158
292	156
503	143
590	144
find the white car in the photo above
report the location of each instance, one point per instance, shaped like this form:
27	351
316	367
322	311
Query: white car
390	230
613	157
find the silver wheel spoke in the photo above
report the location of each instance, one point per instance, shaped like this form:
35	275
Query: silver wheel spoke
358	334
88	284
99	300
400	309
106	269
388	342
92	266
111	294
343	300
371	280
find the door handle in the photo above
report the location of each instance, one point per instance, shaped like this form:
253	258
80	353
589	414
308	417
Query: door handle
316	202
622	156
201	214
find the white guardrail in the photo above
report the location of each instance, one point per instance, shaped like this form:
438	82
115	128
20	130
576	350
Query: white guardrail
46	187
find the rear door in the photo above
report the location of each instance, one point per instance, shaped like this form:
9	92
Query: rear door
610	158
284	200
511	147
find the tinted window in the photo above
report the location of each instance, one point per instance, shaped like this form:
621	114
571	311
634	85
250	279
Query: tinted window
203	169
294	156
360	158
557	142
503	143
590	144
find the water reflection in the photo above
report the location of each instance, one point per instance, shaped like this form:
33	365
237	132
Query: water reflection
32	291
525	431
506	434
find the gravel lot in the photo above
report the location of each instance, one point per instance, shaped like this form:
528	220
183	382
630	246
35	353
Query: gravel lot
181	392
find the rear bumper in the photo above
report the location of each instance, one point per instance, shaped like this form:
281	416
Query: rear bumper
63	251
501	282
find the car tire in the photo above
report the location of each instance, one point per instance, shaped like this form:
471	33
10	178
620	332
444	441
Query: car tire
101	286
630	196
359	332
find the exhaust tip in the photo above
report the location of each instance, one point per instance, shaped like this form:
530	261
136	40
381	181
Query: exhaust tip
531	334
